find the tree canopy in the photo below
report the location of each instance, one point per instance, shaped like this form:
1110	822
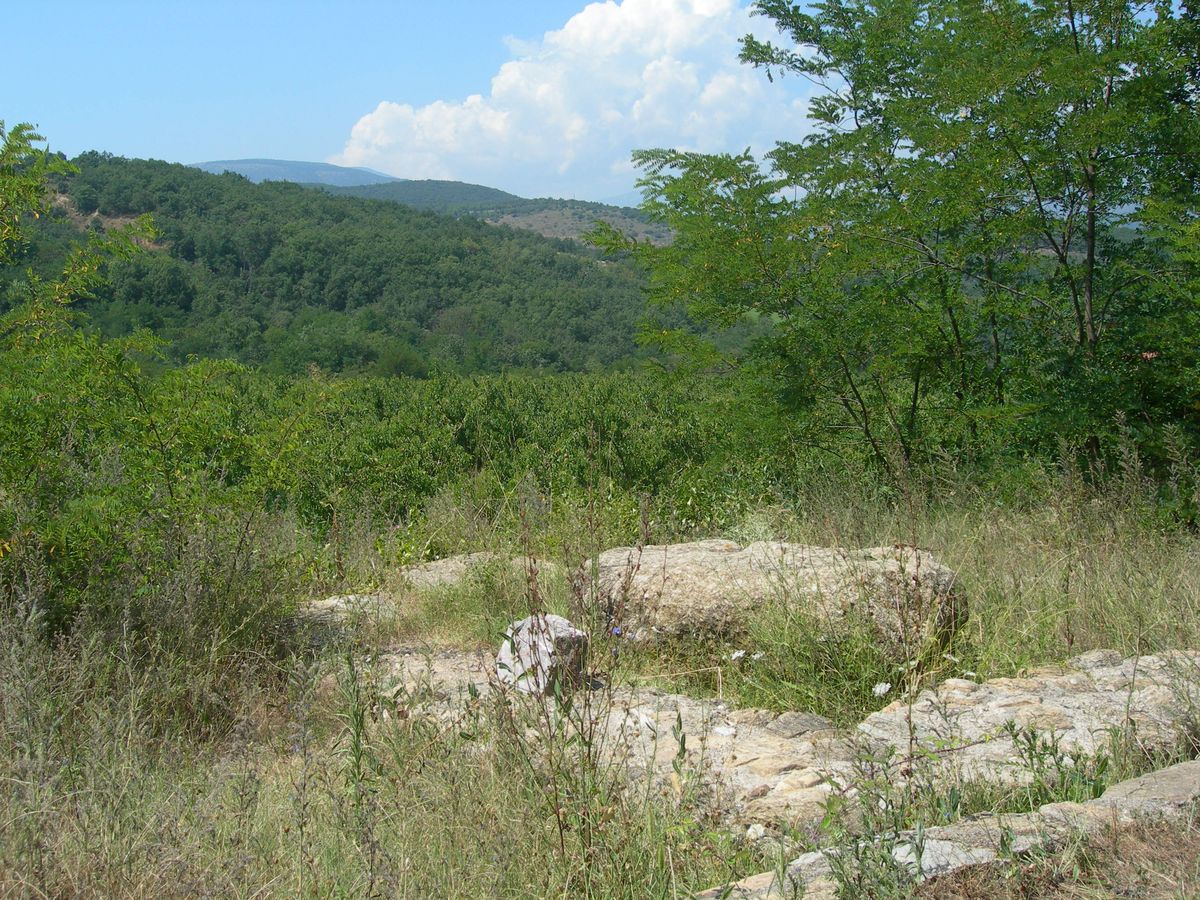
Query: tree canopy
986	228
284	277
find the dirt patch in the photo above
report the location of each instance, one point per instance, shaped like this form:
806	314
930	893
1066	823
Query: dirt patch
64	204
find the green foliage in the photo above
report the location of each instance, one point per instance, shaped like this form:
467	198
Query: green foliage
23	173
546	215
437	196
284	277
943	256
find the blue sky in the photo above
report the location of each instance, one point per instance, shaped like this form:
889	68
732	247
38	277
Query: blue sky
540	98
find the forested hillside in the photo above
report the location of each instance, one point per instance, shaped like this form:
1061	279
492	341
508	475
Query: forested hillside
547	216
294	170
285	277
933	537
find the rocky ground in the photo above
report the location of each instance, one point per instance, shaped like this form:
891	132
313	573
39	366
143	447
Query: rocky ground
769	773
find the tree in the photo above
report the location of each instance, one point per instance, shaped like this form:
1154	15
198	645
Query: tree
955	245
66	398
24	171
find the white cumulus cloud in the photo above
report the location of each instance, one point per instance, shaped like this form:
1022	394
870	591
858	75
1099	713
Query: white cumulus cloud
563	116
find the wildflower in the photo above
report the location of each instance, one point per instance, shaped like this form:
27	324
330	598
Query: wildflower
882	688
757	656
736	655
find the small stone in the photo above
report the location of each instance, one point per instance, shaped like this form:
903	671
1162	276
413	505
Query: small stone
540	653
1096	659
794	724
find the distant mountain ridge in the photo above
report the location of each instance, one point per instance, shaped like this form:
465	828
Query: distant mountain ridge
326	174
549	216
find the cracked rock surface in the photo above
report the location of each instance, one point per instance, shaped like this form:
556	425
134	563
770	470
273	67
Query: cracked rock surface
1082	706
763	768
1168	793
711	587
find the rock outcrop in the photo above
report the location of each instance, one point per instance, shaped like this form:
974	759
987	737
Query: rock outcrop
453	570
1168	793
1083	707
711	587
541	654
768	770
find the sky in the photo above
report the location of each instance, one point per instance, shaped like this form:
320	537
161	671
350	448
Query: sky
537	97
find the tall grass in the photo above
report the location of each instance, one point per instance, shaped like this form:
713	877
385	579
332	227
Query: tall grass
197	742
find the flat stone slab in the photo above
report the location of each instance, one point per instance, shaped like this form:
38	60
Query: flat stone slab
1083	706
713	587
1169	792
753	772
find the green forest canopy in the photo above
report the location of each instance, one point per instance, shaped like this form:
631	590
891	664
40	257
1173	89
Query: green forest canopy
285	277
988	235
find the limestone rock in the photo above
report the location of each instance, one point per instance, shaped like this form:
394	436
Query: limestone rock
1166	792
984	839
540	652
710	587
344	608
453	570
1081	706
755	771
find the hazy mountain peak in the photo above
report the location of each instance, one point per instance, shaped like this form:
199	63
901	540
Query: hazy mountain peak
295	170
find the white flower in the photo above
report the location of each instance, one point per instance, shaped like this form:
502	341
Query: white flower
882	688
737	654
757	656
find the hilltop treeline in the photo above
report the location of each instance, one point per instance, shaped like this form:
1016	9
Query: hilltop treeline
548	216
284	277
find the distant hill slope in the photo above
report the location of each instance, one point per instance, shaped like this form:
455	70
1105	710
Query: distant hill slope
284	277
547	216
258	170
449	197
